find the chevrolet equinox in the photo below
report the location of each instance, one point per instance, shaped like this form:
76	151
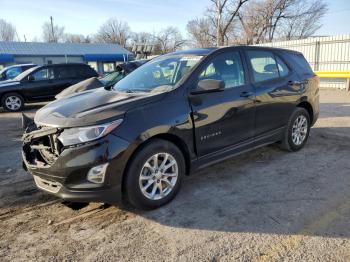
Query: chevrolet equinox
175	114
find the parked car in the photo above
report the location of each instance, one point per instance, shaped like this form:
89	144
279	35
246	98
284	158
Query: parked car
106	81
41	83
175	114
11	72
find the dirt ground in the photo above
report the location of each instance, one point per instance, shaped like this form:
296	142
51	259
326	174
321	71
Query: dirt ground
265	205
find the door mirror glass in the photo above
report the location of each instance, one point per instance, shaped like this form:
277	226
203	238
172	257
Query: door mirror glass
209	86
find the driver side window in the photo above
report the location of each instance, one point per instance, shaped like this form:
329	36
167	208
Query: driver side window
43	74
226	67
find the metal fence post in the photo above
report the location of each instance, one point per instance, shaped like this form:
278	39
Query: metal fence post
317	55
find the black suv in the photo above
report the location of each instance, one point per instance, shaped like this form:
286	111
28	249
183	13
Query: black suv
41	83
178	112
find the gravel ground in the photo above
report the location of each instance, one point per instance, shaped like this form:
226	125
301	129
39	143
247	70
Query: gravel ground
265	205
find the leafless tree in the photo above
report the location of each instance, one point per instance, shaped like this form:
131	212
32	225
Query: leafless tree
142	38
266	20
305	20
222	14
201	32
7	31
253	23
114	31
169	40
52	33
77	38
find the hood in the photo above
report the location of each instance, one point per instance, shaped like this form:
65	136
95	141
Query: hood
85	85
91	108
8	83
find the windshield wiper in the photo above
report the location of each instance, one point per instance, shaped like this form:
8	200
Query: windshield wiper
129	91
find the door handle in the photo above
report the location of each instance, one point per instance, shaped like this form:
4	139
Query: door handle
246	94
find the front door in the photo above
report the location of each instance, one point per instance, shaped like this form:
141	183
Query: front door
223	118
39	84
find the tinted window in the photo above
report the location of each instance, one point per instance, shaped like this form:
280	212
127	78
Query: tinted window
85	71
299	63
226	67
282	67
264	65
13	72
65	72
43	74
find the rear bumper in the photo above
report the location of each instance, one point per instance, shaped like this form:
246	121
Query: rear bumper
66	178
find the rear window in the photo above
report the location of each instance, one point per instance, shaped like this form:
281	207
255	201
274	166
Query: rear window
299	63
266	66
85	71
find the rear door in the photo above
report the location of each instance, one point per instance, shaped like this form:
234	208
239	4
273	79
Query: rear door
224	118
277	90
66	75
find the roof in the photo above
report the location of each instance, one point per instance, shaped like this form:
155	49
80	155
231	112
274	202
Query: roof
35	48
196	51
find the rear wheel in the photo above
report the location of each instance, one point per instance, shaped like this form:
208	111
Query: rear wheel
12	102
154	175
297	131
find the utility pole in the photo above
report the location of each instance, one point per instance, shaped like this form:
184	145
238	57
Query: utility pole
52	31
18	40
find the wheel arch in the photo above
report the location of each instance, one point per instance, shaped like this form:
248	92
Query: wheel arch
308	107
176	140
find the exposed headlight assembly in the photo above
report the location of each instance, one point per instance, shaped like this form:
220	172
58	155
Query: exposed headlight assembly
73	136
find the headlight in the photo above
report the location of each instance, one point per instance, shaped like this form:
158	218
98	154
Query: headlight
72	136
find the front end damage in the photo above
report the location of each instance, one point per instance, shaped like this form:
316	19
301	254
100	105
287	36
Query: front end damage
63	170
41	146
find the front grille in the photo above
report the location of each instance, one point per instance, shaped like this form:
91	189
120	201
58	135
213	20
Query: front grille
41	146
47	185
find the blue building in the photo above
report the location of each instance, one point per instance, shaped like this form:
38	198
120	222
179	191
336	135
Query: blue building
102	57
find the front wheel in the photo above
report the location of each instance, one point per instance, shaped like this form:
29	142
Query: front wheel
297	131
154	175
12	102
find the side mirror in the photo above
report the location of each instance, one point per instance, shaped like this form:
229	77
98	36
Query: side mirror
108	87
209	86
31	78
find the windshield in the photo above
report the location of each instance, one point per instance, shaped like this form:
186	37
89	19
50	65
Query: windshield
158	75
25	73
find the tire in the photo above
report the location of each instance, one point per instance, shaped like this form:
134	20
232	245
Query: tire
143	162
290	142
12	102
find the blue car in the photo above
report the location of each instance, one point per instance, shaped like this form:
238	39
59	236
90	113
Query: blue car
11	72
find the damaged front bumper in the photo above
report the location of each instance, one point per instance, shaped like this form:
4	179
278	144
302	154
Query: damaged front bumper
62	171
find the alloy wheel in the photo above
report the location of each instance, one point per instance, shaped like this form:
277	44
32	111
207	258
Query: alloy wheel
158	176
13	103
299	130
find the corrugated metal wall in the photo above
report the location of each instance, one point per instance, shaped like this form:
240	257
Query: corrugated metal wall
324	54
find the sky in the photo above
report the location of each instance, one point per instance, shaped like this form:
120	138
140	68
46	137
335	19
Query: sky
85	16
